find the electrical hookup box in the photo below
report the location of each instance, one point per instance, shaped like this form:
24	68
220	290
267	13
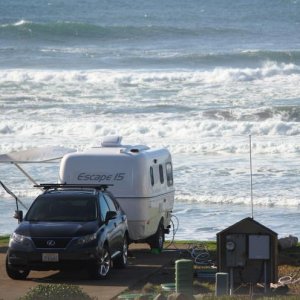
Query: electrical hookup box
247	251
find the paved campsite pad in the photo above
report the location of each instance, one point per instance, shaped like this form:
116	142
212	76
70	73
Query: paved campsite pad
142	264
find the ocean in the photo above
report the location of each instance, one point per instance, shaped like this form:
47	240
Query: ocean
198	77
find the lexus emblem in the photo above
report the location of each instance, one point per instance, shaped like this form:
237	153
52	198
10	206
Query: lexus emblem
50	243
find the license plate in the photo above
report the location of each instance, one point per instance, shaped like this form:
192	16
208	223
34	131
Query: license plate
52	257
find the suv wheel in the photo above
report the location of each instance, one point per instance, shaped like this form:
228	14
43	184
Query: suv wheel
17	274
157	240
121	261
101	269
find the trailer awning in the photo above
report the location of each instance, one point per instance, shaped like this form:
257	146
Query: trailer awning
36	155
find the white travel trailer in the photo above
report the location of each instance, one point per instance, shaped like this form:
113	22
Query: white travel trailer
141	179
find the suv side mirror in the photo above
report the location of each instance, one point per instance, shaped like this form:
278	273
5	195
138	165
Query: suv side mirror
110	215
18	215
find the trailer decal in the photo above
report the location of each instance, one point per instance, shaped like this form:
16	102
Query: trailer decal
101	177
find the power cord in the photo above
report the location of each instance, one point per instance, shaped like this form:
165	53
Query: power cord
174	222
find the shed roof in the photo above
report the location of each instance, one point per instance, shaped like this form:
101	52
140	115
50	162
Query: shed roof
245	223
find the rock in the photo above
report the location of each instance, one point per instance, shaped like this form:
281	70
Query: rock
287	242
281	290
179	296
160	297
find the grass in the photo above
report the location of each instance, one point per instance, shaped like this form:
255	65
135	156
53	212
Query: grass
4	240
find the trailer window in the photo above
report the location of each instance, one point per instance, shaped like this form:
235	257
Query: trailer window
169	170
161	174
151	176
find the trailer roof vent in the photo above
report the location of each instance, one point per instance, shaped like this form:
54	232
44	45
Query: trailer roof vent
111	141
135	150
138	148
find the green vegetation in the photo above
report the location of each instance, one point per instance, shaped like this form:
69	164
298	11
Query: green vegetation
4	240
248	297
55	292
210	245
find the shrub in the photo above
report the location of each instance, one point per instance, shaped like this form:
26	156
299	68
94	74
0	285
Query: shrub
56	292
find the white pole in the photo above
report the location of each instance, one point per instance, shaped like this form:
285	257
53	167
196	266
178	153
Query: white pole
251	183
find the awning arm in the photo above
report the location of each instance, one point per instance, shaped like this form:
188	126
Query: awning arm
13	195
26	174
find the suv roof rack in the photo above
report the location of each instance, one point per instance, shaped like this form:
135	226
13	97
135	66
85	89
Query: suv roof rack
47	186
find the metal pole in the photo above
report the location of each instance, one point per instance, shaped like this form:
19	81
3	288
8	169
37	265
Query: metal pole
231	282
26	174
265	276
251	182
13	195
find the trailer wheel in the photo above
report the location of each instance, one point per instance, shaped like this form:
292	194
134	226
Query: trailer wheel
17	274
157	240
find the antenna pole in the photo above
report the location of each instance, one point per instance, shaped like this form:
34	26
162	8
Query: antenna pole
251	182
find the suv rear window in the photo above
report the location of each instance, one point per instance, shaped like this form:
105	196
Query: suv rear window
54	208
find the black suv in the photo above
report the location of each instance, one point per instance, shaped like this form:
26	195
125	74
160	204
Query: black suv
69	226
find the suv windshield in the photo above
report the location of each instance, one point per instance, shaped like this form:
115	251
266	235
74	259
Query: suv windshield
66	208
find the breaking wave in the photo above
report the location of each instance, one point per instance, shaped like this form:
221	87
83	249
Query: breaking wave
134	78
279	113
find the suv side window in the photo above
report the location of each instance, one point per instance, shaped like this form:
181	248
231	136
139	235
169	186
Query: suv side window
111	203
103	207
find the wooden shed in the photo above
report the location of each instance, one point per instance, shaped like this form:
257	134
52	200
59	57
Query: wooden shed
247	250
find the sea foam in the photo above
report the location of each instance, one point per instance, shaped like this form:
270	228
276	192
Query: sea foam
266	70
